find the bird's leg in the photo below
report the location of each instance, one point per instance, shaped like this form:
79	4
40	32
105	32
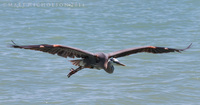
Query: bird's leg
73	71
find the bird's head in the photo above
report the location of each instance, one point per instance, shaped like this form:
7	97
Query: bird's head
114	61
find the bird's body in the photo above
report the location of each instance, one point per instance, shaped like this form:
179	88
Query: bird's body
98	61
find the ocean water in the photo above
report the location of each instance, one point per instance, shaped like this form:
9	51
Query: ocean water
36	78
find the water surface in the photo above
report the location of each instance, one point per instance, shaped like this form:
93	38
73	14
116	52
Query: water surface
30	78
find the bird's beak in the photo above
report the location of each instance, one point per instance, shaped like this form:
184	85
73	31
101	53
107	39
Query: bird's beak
121	64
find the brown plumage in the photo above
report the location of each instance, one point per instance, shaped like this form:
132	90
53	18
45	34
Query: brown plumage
63	51
148	49
95	60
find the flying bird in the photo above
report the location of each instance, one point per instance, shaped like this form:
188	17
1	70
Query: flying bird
90	60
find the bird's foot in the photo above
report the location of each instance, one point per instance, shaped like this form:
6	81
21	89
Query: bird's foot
72	71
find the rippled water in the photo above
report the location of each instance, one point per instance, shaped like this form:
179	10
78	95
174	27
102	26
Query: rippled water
30	78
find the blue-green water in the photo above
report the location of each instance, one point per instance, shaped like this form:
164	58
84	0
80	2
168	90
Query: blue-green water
35	78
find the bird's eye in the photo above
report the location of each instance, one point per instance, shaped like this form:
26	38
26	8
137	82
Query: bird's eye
111	59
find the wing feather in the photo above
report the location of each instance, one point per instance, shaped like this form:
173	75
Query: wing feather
63	51
148	49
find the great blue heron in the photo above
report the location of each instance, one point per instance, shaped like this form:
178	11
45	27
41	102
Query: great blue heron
94	60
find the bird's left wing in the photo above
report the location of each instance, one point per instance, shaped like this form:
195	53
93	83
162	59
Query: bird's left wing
64	51
148	49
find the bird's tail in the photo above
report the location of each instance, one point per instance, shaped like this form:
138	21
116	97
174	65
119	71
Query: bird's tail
77	62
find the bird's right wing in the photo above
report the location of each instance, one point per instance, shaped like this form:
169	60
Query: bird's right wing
64	51
148	49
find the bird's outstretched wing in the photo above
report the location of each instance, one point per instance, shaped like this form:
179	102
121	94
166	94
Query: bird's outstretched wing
64	51
148	49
